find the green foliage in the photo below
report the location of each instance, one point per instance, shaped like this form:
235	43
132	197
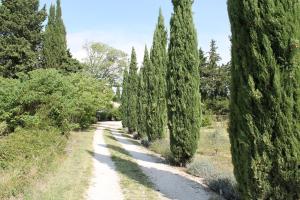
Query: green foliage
23	156
215	81
265	98
48	98
124	99
21	36
184	109
105	62
117	97
157	83
132	93
55	52
142	103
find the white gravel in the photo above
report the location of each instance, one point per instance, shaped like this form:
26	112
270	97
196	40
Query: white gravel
171	182
105	181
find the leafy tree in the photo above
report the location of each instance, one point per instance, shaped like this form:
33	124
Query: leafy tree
21	25
157	82
183	83
265	98
124	98
215	81
105	62
132	93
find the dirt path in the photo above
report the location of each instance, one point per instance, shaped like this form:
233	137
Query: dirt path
105	181
171	182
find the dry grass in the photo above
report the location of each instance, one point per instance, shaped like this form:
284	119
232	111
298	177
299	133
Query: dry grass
134	183
68	178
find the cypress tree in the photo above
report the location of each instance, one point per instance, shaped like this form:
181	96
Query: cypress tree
183	83
265	98
147	96
132	93
50	44
124	99
55	51
157	85
21	25
141	106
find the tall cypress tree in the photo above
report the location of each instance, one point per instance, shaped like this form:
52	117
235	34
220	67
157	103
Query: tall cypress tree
50	44
132	93
21	25
157	85
141	105
265	98
183	83
124	99
55	51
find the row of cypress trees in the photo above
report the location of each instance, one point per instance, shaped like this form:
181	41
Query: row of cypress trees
265	94
165	91
25	46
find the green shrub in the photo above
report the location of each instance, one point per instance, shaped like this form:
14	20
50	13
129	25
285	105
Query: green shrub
225	185
207	120
49	98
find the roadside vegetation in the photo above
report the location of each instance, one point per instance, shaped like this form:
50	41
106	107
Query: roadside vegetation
68	177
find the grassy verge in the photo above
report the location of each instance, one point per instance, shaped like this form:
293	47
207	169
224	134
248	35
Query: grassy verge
134	183
24	156
43	164
68	178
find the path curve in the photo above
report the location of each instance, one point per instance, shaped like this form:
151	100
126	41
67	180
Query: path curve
169	181
105	183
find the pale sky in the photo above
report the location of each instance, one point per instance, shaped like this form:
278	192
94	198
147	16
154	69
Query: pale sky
123	24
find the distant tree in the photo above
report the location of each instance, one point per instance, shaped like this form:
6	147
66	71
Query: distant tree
124	98
213	56
215	81
132	93
21	25
157	84
183	83
105	62
265	98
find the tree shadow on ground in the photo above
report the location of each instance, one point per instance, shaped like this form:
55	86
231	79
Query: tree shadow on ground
171	187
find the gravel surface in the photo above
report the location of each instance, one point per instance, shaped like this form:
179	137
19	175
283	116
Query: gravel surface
105	181
170	181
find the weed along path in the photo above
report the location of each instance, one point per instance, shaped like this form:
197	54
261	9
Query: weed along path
170	182
105	181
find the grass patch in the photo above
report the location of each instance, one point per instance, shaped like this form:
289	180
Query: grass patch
134	183
24	156
69	177
162	147
213	161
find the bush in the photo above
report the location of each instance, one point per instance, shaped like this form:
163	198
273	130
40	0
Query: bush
48	98
225	185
